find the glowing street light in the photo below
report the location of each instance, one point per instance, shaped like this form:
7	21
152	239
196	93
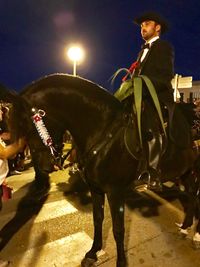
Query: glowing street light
76	54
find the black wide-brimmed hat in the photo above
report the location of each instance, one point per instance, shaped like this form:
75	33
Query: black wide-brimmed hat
155	17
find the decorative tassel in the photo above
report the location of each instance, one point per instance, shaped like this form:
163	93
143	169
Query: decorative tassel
42	130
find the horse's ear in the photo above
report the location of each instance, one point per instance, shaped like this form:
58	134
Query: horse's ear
17	112
6	95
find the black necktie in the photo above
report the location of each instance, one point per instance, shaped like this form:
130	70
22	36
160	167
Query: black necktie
142	50
145	46
137	70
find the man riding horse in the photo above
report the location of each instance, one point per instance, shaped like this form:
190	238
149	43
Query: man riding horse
155	61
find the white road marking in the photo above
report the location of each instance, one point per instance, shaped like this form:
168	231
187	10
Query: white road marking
65	252
54	209
48	211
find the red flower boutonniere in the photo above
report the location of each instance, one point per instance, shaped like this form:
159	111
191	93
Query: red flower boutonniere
130	70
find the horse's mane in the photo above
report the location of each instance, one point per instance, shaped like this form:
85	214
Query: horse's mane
59	79
88	91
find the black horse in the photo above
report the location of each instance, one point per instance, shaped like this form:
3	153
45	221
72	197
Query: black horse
98	123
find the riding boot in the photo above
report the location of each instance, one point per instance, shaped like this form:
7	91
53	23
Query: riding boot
154	149
149	177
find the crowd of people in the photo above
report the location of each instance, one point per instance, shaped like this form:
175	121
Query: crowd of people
11	158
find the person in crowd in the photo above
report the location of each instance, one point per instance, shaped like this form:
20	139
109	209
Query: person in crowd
5	153
16	163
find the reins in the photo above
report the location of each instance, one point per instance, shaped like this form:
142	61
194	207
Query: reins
133	86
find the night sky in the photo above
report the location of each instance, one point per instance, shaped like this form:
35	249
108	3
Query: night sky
35	33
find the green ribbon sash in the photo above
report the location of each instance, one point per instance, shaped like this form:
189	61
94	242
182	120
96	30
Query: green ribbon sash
134	86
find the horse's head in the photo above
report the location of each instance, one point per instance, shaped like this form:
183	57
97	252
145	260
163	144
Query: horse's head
16	124
19	118
4	93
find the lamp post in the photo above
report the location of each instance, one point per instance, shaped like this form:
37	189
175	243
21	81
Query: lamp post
76	54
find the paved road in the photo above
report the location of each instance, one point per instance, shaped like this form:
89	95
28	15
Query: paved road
59	232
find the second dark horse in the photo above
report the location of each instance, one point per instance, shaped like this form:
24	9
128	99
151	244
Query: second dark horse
97	122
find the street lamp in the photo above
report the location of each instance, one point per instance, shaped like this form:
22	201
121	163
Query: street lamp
76	54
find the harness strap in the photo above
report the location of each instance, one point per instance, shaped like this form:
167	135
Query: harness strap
106	138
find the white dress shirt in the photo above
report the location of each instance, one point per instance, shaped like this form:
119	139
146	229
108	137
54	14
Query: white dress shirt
147	49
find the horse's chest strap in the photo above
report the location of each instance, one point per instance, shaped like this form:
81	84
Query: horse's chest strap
102	142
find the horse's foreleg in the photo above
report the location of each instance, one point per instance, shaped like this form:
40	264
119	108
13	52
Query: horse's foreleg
116	203
98	216
189	214
189	209
188	201
193	206
196	237
43	166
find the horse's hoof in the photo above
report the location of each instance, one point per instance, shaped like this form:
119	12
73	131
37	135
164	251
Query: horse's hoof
38	193
179	225
4	263
196	244
36	196
88	262
182	234
196	241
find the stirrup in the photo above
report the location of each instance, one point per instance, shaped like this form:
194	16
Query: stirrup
141	188
149	183
144	184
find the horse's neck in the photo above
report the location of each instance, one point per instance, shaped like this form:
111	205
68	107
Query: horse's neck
88	130
86	121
